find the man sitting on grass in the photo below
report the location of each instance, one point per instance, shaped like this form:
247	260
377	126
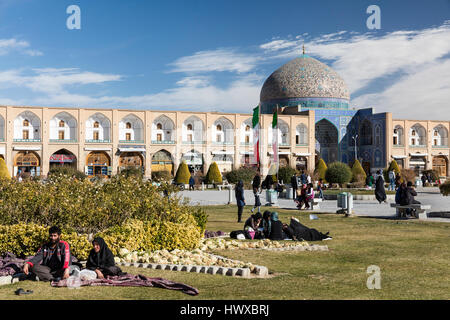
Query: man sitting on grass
53	260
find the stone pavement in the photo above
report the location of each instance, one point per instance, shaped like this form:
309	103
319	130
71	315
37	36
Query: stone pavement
371	208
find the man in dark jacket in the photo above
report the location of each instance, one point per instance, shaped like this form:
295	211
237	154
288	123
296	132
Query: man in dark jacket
53	259
407	197
256	181
294	184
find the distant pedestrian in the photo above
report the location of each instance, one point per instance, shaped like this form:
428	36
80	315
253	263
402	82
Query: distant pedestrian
191	183
303	178
240	200
320	188
380	192
369	181
391	180
308	179
256	193
256	181
294	185
424	180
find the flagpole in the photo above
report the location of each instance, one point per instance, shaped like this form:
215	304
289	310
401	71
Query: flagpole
259	138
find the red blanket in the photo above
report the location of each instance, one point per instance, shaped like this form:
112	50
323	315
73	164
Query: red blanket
130	280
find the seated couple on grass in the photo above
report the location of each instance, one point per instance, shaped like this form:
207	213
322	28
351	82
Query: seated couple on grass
53	261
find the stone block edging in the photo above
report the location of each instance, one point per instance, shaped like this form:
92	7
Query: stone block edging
224	271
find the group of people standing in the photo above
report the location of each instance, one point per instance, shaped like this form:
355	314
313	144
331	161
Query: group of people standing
303	189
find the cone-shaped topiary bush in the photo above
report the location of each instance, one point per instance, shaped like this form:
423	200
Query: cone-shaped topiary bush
358	173
321	169
213	175
4	173
183	174
338	172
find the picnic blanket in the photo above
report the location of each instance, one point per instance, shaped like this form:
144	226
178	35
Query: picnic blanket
10	264
130	280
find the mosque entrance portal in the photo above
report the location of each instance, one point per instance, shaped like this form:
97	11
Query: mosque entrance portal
327	141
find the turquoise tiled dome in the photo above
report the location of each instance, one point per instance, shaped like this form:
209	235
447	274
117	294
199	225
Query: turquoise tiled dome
304	77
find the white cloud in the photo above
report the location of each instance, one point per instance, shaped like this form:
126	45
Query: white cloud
215	60
9	45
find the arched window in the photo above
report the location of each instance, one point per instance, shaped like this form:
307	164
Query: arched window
96	124
219	127
247	128
61	123
159	126
189	127
398	136
128	125
26	123
366	133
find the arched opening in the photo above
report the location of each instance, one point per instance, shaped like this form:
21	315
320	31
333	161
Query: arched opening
129	160
63	158
98	129
162	161
194	160
365	133
327	141
440	164
26	164
301	163
98	164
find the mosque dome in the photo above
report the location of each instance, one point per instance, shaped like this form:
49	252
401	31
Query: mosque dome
308	82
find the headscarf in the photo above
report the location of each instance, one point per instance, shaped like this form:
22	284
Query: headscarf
257	216
274	216
266	222
102	259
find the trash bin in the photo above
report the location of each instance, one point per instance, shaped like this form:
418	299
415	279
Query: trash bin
289	191
342	200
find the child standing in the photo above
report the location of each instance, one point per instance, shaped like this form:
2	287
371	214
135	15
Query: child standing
256	193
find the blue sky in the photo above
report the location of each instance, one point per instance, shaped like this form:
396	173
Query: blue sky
215	55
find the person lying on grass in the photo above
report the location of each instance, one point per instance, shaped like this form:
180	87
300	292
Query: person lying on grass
53	260
100	262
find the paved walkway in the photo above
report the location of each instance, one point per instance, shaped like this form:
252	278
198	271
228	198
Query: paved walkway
370	208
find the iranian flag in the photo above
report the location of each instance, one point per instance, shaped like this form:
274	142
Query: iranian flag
275	137
256	127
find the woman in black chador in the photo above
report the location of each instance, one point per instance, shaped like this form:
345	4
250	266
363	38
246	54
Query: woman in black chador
380	192
101	260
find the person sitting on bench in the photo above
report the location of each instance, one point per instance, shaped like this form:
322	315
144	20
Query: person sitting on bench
407	198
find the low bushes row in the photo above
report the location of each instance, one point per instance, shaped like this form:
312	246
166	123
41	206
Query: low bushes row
25	239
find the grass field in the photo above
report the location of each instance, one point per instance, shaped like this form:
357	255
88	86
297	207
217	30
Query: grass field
414	258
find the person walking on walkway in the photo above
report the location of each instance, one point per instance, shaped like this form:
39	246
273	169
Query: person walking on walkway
380	192
391	180
294	184
240	200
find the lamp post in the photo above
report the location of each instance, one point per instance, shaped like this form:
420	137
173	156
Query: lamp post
356	152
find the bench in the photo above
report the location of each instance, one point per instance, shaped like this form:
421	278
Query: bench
421	209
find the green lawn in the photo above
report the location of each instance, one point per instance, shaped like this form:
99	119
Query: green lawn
414	257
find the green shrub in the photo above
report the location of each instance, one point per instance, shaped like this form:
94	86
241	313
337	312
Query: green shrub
358	173
162	176
246	174
66	171
321	169
285	174
25	240
213	175
4	173
445	188
183	174
87	207
339	173
152	235
134	172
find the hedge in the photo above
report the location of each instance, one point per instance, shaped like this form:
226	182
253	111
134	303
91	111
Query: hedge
338	172
4	173
245	174
213	175
183	174
321	169
25	239
87	207
358	173
445	188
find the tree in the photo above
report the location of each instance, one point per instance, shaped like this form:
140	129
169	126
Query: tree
4	173
285	174
321	169
358	173
183	174
338	172
213	175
